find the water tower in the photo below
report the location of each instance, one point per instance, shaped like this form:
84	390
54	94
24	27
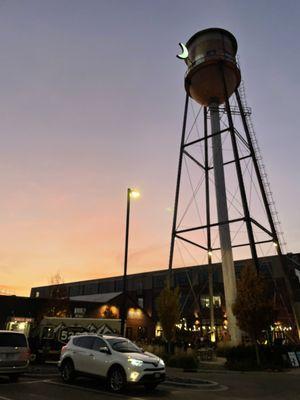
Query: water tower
212	78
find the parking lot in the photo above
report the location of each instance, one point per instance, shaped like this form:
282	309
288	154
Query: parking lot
42	388
233	386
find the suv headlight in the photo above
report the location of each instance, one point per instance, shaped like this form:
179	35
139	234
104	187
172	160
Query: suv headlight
161	362
135	362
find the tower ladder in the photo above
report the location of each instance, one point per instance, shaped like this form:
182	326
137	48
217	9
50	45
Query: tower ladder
263	171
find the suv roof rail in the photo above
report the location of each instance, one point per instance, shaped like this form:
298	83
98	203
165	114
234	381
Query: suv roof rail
114	334
87	334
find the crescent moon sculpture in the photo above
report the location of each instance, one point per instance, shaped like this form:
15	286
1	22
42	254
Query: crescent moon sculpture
185	52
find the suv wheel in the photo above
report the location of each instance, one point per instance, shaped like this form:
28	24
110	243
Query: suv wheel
116	380
67	371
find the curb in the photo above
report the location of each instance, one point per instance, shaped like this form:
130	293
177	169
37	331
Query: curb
37	375
191	383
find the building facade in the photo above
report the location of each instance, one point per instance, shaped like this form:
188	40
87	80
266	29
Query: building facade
44	316
144	289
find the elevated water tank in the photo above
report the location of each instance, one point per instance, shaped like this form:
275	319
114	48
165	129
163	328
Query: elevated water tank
208	49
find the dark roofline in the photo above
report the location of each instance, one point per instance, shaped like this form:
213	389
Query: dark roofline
160	271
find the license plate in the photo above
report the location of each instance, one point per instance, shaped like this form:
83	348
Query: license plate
157	375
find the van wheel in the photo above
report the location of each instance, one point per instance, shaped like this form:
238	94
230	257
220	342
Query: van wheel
67	371
116	380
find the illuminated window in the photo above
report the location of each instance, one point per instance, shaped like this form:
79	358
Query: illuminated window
217	301
204	300
141	302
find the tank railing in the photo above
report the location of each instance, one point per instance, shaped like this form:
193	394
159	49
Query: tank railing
211	56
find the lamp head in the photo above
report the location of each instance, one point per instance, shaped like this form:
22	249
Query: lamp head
134	193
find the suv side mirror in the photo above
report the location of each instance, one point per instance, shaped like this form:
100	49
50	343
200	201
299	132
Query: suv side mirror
104	349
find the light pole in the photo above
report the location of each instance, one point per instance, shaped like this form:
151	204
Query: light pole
131	193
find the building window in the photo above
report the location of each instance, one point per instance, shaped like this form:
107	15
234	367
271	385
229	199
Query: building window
266	268
181	279
158	330
79	312
37	294
203	275
76	290
106	287
159	281
108	311
119	286
139	287
91	288
217	301
129	332
204	300
142	332
141	302
238	269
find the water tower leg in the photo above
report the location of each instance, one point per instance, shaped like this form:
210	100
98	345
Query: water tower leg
213	335
228	271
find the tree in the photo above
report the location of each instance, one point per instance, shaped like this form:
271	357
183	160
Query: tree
168	310
253	308
58	301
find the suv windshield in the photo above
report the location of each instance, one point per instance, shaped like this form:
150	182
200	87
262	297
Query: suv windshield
12	340
124	346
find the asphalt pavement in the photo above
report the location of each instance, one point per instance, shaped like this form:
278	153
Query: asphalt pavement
215	386
86	389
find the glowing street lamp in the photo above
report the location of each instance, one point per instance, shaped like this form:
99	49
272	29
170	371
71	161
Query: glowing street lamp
134	194
131	194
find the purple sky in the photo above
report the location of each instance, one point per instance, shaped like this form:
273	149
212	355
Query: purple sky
91	102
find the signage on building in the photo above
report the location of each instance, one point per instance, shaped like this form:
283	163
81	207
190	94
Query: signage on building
293	359
61	329
79	312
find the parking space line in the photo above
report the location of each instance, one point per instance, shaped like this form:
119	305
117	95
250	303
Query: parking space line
35	381
98	391
82	388
4	398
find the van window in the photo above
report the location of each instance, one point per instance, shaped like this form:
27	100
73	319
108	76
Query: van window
12	340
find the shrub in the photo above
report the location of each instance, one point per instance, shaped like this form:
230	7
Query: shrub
243	358
222	350
186	361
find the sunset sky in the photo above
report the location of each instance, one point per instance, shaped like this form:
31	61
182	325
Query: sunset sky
91	102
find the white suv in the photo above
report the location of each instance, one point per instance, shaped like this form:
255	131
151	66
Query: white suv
113	358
